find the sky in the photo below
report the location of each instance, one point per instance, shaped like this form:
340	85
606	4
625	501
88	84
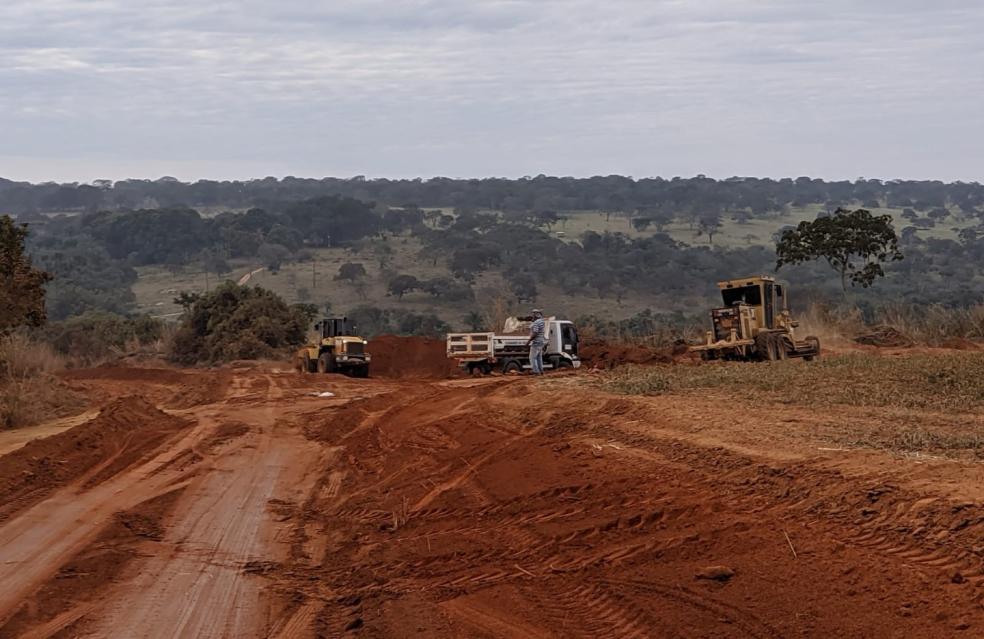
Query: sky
838	89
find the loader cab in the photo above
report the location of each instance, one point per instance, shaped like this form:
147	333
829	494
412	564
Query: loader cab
332	327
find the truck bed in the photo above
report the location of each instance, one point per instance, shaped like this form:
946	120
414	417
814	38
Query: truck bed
484	345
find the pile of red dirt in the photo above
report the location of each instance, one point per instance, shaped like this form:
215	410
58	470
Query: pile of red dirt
394	356
885	336
125	431
602	354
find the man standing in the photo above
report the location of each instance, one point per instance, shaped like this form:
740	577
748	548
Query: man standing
537	341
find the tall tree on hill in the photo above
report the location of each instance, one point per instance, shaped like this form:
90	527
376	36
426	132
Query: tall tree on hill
709	224
854	243
21	285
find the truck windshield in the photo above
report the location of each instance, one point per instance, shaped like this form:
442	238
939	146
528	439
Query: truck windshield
748	294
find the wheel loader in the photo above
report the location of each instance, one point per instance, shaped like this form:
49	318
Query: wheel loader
755	324
338	350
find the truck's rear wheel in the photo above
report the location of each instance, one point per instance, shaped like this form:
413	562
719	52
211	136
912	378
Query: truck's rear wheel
479	368
512	367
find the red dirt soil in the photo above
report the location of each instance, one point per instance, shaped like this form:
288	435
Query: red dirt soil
492	507
604	354
417	357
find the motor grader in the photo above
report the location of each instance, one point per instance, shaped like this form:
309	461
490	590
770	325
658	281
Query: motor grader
755	324
338	350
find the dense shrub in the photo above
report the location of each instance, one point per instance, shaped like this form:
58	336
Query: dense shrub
94	336
237	322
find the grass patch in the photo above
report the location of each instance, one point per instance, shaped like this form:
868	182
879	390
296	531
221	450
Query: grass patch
952	382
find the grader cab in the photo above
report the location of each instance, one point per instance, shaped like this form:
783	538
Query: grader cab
754	324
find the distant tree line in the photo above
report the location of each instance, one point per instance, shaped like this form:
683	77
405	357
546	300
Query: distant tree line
648	198
92	256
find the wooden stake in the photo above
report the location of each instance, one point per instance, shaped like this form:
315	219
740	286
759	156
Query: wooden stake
790	544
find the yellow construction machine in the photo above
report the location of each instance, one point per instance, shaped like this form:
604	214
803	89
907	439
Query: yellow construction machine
755	324
338	349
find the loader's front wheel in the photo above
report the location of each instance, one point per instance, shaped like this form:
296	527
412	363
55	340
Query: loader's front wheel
307	366
326	363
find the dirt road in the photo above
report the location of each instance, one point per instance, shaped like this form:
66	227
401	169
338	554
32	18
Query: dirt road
239	504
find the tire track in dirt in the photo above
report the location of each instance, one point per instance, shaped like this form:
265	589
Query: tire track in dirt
204	586
595	529
880	517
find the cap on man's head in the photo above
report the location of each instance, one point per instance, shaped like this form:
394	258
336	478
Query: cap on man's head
537	311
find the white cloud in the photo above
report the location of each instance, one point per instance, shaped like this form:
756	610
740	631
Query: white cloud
508	87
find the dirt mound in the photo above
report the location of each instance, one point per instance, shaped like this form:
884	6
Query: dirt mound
886	337
960	344
601	354
394	356
197	392
150	375
125	431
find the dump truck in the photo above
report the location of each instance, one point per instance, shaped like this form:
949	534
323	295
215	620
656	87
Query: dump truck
755	324
507	352
338	349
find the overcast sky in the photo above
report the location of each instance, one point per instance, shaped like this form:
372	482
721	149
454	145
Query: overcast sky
462	88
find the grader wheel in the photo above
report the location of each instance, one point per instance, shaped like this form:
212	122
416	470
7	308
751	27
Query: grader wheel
815	343
780	345
765	347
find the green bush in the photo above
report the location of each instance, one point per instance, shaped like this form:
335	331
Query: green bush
237	322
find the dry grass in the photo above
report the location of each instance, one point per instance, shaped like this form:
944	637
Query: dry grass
21	357
935	325
30	400
919	404
930	325
29	391
953	382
